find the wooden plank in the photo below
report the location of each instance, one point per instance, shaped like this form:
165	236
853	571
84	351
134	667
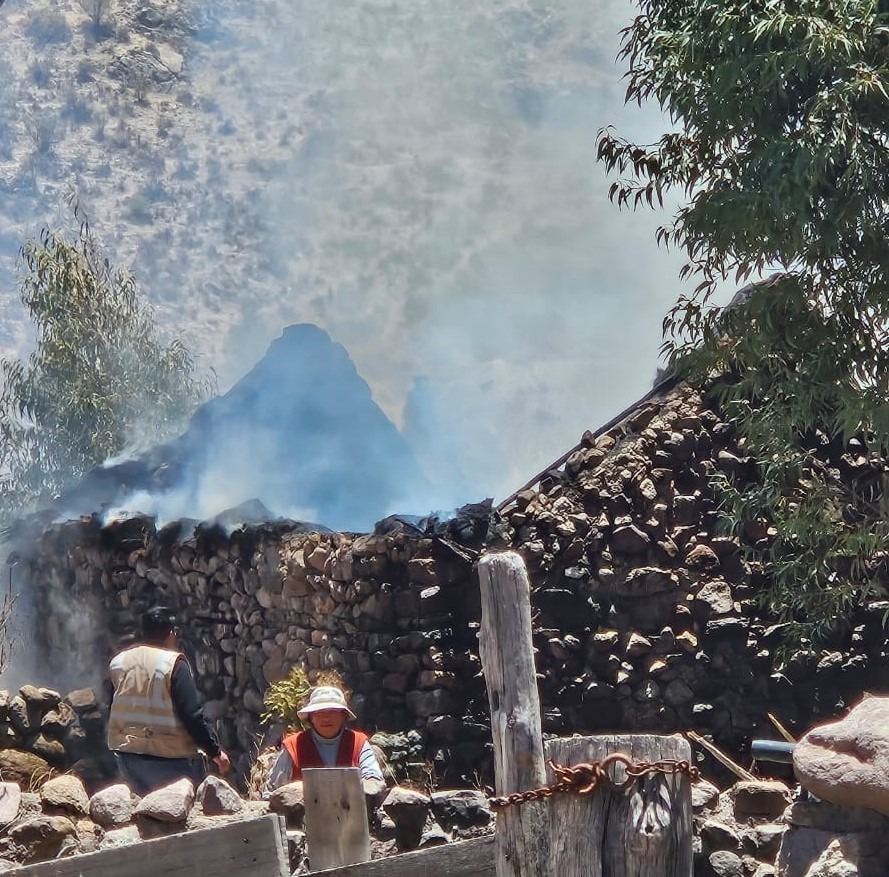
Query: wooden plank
466	858
507	654
641	831
336	817
251	847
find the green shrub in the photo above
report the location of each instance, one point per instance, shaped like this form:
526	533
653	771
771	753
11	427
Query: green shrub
285	697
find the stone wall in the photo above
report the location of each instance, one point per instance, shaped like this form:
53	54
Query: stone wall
645	617
396	613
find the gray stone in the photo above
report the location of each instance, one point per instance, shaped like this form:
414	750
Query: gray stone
217	797
408	809
65	793
768	798
22	716
82	700
10	801
41	698
766	839
435	836
714	598
52	750
24	768
716	835
462	808
120	837
172	803
113	806
726	864
704	795
42	837
289	801
630	540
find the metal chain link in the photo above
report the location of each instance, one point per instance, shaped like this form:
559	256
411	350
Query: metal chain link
585	778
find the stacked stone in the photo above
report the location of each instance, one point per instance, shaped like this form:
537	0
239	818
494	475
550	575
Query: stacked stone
41	731
647	618
59	818
398	624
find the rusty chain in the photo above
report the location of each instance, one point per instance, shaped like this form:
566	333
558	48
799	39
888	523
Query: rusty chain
585	778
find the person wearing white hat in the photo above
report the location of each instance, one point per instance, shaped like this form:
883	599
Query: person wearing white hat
327	743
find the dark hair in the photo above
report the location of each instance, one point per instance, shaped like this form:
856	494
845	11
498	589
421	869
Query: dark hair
157	623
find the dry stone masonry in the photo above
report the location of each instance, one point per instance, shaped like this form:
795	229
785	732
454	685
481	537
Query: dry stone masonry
646	617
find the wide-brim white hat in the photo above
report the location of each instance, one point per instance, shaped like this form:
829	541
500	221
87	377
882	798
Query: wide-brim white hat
325	697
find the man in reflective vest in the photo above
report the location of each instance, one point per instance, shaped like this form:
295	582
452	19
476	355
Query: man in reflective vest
327	743
156	725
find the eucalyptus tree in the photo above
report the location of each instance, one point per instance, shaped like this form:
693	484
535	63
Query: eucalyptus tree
100	377
780	146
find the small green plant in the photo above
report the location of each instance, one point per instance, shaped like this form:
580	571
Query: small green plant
285	697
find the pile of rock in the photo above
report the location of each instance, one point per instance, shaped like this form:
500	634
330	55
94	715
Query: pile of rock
41	732
401	819
61	819
738	832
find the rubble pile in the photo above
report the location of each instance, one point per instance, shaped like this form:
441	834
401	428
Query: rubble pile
61	817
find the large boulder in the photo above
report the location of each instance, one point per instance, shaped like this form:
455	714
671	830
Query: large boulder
847	761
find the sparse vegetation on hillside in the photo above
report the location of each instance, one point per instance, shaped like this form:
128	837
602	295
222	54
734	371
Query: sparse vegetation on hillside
782	126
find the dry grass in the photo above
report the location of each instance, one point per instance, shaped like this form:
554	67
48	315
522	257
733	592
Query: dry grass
259	772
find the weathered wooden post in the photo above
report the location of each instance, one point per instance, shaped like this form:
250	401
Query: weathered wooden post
507	654
336	817
630	826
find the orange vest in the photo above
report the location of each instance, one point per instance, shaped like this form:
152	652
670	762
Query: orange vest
304	753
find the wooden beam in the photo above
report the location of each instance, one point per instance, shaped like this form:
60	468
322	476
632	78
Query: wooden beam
251	847
781	729
336	817
507	654
466	858
642	831
740	772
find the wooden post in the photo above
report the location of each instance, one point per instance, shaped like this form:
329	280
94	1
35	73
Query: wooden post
507	653
336	817
639	831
